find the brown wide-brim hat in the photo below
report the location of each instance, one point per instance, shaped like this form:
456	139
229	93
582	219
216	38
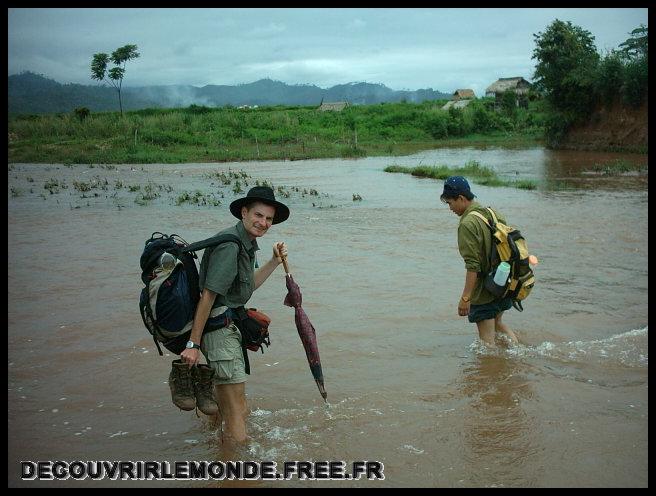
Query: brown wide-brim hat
263	194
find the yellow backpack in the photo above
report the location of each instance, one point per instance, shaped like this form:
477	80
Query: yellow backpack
508	245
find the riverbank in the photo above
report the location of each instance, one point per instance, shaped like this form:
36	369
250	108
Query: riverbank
613	128
202	135
67	152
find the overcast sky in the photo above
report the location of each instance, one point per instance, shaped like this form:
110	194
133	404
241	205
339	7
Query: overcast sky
443	49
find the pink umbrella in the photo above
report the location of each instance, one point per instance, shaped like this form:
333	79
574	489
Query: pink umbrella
305	329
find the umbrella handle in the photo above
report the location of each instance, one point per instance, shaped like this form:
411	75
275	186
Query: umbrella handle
284	261
284	264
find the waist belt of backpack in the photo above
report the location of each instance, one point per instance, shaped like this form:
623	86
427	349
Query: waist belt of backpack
237	314
219	317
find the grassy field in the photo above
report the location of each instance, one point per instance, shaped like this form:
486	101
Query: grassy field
202	134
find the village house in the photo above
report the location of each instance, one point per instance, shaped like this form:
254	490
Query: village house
460	99
518	85
463	94
333	107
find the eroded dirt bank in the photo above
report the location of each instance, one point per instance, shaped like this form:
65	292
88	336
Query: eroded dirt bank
612	128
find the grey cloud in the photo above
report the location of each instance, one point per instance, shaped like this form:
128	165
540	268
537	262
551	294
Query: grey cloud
272	29
401	48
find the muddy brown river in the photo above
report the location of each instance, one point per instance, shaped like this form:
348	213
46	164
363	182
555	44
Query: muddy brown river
408	384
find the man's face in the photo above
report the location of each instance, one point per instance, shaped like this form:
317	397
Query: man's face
258	219
456	205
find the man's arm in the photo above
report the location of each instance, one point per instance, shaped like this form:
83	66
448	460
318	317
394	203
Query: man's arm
469	243
470	282
192	355
262	274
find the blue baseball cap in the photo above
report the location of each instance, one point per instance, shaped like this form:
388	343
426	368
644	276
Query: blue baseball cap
455	186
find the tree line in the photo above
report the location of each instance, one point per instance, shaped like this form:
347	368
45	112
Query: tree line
575	79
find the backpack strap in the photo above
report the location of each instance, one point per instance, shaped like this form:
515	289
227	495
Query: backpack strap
494	216
213	241
146	311
484	219
492	226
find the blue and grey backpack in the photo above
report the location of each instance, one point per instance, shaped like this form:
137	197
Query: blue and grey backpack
171	293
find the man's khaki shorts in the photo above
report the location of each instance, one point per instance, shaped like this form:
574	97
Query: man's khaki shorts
222	349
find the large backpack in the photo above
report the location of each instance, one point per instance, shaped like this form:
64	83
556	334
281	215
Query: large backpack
168	301
508	245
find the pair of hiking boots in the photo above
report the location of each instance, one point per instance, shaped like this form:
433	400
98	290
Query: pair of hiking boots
192	387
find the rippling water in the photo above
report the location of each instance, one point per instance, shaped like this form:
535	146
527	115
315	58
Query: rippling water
408	384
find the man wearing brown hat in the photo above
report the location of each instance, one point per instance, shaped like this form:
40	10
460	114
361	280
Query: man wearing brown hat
474	243
227	279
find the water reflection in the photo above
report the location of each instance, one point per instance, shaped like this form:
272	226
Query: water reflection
551	169
498	433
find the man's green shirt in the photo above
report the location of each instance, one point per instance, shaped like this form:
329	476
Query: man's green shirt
228	270
474	244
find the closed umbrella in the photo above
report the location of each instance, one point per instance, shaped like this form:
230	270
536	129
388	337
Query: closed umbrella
305	329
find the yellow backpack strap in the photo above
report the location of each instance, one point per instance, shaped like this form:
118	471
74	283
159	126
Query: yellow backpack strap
494	217
481	216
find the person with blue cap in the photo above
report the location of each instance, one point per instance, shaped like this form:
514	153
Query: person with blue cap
474	244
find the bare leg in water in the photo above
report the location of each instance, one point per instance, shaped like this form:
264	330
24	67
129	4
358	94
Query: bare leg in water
216	422
487	330
502	328
234	410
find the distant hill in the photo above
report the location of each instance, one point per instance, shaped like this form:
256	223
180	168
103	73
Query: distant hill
30	93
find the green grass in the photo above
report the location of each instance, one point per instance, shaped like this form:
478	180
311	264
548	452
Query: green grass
472	170
617	167
202	134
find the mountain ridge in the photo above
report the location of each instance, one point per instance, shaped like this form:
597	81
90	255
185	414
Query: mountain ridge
31	93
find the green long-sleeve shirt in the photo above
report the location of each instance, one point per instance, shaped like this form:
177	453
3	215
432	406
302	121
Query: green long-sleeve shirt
474	244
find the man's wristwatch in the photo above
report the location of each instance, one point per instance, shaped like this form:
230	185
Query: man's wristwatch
465	298
191	344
